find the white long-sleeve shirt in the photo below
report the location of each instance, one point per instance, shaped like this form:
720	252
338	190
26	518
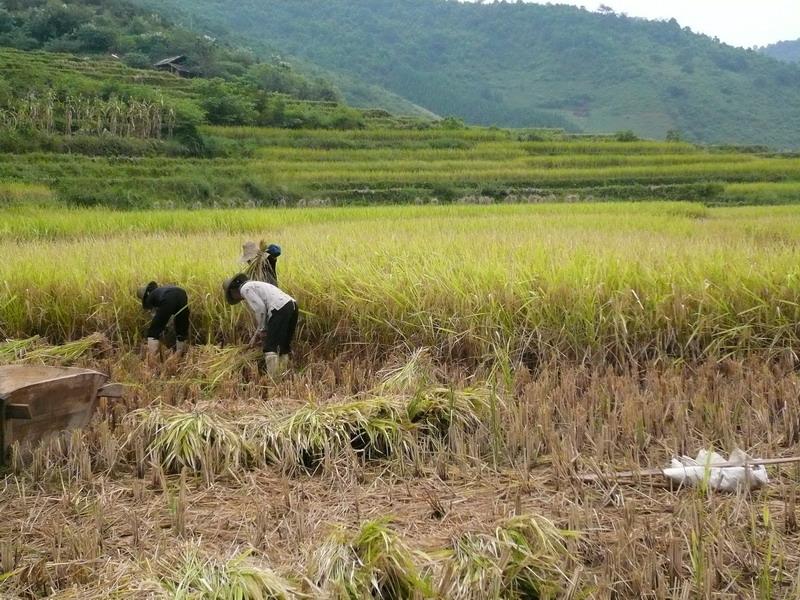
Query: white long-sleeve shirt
263	299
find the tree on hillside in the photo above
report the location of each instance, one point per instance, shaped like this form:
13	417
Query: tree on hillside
55	21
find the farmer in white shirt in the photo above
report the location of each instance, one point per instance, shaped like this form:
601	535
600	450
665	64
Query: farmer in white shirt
275	313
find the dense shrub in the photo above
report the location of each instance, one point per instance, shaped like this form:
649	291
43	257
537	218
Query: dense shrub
224	104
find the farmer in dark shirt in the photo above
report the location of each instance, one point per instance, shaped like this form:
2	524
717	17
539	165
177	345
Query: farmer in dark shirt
262	263
165	302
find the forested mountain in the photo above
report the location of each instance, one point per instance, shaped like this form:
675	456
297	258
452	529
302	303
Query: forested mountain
787	51
521	64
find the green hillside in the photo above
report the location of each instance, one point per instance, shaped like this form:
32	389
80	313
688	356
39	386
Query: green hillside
89	130
139	37
519	64
95	132
787	51
61	103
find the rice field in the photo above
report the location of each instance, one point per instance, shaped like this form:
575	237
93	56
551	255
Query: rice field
408	478
457	368
487	316
250	166
607	282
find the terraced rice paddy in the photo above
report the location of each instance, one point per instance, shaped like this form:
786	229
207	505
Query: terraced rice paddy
457	368
268	167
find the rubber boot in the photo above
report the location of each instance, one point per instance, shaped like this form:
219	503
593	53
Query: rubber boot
283	363
271	362
180	348
152	347
151	356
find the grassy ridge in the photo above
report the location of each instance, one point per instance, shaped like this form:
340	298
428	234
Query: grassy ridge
608	281
265	167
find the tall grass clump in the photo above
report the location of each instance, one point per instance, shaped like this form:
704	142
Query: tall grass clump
371	562
193	575
523	558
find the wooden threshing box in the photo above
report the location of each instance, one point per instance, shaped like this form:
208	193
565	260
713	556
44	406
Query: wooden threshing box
39	401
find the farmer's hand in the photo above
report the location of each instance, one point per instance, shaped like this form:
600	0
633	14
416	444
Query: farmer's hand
258	338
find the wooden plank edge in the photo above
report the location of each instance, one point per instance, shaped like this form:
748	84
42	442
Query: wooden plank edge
111	390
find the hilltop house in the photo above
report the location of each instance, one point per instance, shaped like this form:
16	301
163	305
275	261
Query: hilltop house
175	65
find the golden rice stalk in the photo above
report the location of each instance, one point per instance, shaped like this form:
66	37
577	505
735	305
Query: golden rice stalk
523	558
435	410
192	575
198	440
14	350
70	352
372	562
408	376
214	365
372	426
259	433
255	267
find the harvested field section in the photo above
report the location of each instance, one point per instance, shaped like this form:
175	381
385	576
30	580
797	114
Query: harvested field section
93	515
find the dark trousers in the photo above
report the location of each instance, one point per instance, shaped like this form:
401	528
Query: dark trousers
280	329
175	304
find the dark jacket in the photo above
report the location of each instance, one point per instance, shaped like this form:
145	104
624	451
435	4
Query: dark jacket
165	295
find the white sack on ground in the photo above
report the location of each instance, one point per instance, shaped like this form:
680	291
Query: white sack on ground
692	471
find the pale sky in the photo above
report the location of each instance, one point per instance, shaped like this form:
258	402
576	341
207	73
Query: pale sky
737	22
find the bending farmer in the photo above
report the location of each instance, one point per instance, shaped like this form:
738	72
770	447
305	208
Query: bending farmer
275	313
262	262
165	303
